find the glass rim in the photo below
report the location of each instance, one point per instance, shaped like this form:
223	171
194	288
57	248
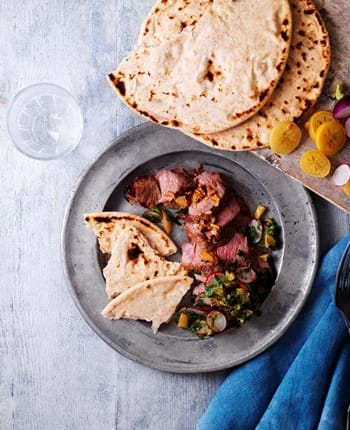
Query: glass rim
10	111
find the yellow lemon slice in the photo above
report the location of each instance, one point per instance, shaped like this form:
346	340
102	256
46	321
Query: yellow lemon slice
346	189
315	164
330	137
317	120
285	137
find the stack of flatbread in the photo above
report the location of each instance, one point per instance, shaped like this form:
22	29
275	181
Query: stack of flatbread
140	282
225	72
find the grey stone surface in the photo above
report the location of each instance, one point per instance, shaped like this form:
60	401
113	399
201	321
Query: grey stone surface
55	373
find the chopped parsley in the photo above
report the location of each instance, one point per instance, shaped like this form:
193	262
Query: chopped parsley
252	234
209	291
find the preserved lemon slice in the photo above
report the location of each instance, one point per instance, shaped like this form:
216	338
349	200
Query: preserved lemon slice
316	164
346	189
330	137
285	137
317	120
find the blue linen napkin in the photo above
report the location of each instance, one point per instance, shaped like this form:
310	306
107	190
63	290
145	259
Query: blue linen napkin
303	381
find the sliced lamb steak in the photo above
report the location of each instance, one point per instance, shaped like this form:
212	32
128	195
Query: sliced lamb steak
229	211
143	191
173	183
202	230
229	252
192	258
209	193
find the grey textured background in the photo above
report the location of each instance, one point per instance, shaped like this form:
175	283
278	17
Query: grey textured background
54	372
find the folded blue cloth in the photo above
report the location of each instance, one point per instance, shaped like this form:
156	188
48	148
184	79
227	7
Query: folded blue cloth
303	381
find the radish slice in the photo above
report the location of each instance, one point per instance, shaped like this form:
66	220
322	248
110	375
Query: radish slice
246	275
200	278
347	127
342	108
217	321
211	278
199	289
341	175
255	231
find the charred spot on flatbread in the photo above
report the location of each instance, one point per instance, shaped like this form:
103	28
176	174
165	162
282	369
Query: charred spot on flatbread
134	251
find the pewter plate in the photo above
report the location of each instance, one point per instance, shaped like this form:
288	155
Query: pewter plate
149	148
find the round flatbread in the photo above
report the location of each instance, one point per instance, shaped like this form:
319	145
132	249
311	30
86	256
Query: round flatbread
215	75
169	18
299	88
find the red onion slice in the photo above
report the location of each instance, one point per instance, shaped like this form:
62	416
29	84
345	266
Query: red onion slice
341	175
342	108
347	127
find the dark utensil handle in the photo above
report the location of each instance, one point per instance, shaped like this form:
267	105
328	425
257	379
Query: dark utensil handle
348	420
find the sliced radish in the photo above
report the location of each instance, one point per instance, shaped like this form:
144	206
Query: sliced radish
211	277
198	290
256	230
341	175
347	127
217	321
342	108
246	274
200	278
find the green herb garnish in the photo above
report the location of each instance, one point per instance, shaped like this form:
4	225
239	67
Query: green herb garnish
182	211
339	91
210	290
152	215
252	234
172	217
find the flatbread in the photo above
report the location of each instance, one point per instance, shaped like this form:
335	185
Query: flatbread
133	260
169	18
154	301
298	90
104	224
215	75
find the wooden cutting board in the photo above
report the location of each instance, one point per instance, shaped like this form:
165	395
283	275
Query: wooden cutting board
336	14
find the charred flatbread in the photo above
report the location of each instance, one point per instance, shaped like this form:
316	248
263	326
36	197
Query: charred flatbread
133	260
107	224
215	75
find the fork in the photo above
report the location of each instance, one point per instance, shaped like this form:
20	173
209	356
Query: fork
342	297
